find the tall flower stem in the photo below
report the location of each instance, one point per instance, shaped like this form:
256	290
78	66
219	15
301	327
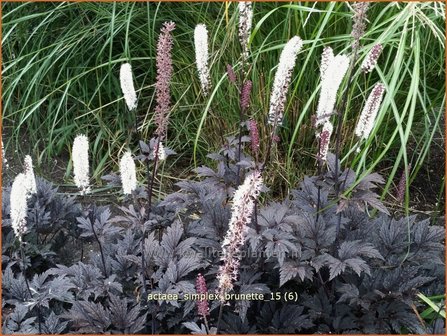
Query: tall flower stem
161	113
358	30
340	116
243	105
269	146
39	313
100	250
22	252
320	176
143	231
150	187
239	148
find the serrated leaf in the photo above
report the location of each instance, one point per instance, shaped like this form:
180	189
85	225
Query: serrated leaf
196	330
336	267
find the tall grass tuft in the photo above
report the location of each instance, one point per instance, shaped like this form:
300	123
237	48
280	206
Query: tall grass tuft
59	77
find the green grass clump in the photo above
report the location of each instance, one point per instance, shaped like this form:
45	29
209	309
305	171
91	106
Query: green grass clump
61	76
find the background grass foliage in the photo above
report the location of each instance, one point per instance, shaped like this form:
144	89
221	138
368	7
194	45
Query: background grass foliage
61	76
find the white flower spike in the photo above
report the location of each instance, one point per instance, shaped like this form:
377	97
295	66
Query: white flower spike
128	173
282	80
332	77
201	48
18	205
127	86
80	163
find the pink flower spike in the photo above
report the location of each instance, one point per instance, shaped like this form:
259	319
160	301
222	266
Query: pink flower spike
164	74
241	212
254	135
369	113
202	305
245	94
231	74
371	59
324	139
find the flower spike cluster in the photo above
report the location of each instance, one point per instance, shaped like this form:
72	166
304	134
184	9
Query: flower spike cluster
202	305
245	22
231	74
358	22
370	61
282	80
80	163
18	204
23	186
369	112
161	153
326	58
324	138
254	135
29	174
164	75
201	48
245	95
333	76
127	86
242	210
128	173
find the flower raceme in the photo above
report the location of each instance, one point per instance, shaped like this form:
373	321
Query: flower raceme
80	163
127	86
201	48
242	210
370	60
128	173
326	58
161	152
18	205
282	80
29	174
164	75
324	139
23	186
369	112
231	74
245	22
332	77
202	305
358	22
254	135
245	95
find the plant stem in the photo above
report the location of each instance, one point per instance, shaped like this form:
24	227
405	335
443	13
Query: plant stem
39	317
340	116
206	325
269	147
100	250
219	318
239	149
320	176
82	251
150	185
22	252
